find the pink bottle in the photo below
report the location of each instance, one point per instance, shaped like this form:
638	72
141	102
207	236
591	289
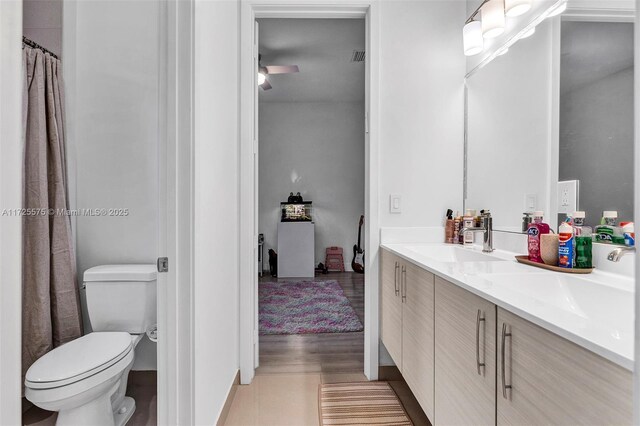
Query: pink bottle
536	228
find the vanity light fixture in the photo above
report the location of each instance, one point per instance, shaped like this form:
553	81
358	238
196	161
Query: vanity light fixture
261	78
493	18
558	10
513	8
472	37
528	33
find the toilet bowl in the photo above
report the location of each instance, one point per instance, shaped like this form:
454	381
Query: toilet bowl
82	380
85	380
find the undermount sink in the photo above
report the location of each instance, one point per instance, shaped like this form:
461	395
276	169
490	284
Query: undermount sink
449	254
566	292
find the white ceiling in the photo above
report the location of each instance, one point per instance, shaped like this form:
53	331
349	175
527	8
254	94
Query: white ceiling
322	48
594	50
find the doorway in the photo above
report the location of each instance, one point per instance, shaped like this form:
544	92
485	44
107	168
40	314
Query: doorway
250	12
311	192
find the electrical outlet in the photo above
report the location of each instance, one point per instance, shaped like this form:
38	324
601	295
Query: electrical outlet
568	196
395	203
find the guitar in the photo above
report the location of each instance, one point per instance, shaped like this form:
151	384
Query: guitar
358	253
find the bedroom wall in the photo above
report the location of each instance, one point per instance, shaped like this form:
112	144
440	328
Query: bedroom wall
316	148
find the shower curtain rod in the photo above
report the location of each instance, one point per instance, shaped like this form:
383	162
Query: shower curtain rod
35	45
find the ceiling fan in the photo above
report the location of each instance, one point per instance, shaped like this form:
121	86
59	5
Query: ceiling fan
264	70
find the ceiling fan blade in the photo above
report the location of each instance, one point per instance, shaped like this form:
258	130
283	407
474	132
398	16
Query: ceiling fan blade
266	85
282	69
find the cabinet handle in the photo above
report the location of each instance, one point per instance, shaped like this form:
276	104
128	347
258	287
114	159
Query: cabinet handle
479	319
404	283
505	386
395	278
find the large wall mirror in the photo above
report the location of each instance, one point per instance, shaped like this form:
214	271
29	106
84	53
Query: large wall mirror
557	106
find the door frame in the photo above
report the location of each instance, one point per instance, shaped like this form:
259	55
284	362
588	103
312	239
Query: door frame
250	10
176	343
10	198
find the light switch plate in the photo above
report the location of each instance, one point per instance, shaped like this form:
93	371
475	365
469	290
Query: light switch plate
395	203
530	202
568	196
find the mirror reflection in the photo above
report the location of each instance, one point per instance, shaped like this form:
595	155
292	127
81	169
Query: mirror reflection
550	128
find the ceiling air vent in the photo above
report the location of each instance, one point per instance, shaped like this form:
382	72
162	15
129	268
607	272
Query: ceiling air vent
358	56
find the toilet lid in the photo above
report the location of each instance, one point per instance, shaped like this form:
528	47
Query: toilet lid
78	359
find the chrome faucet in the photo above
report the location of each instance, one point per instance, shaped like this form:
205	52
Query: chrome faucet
486	229
618	252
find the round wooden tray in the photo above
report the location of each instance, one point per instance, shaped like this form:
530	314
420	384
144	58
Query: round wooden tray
526	261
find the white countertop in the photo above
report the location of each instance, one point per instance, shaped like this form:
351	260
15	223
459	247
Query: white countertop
595	311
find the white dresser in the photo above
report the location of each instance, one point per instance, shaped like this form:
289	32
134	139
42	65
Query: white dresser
296	254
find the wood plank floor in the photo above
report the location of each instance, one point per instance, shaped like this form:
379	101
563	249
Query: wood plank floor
318	353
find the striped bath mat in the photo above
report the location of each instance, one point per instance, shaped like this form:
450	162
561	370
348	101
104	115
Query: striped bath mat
360	403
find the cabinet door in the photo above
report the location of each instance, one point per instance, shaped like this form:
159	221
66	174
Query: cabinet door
391	305
554	381
417	334
465	357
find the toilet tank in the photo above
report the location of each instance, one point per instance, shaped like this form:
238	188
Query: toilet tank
121	297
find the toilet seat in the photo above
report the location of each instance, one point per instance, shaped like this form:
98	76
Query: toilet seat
78	359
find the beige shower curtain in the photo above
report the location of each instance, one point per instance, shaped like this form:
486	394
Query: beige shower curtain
51	312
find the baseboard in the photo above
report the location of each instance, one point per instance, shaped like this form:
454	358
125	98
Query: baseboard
227	404
389	373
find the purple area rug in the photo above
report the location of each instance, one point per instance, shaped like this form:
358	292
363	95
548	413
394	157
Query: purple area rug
303	307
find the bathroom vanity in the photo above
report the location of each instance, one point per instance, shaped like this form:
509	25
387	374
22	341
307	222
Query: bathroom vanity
481	339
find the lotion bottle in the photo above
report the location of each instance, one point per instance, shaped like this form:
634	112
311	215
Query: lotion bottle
536	228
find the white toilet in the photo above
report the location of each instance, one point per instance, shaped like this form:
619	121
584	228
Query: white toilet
85	380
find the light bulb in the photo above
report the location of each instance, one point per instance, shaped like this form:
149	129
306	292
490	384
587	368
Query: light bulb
558	10
261	78
529	33
515	8
493	19
472	37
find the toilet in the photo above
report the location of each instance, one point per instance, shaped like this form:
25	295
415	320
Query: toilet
85	380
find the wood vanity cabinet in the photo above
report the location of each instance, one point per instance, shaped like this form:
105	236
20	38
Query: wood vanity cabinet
418	335
407	324
465	357
546	379
469	362
391	305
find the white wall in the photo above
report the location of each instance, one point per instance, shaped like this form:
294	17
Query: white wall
422	69
216	232
42	23
316	148
111	63
509	131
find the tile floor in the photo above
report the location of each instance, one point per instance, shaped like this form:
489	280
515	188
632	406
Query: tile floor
291	399
141	387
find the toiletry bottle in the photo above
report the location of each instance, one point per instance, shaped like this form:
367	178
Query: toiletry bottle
584	241
448	227
628	230
607	231
536	228
566	243
469	221
526	220
456	228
